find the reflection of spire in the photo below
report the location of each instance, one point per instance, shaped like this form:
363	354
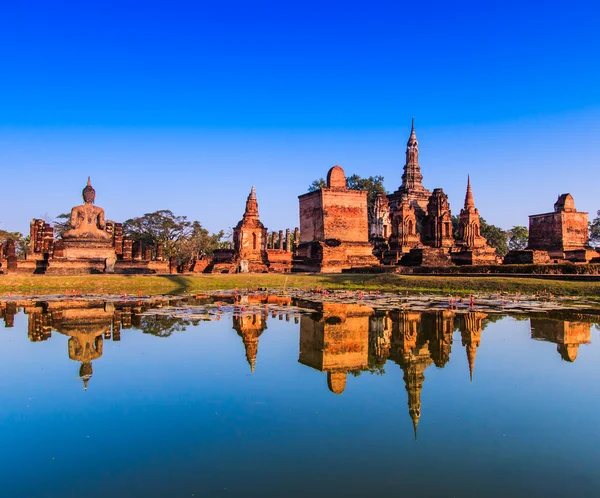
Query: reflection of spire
413	379
249	328
85	373
336	382
470	331
471	353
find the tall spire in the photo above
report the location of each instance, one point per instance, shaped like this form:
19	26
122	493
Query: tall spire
412	140
469	201
89	183
251	204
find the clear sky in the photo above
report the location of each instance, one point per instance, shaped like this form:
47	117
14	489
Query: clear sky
186	105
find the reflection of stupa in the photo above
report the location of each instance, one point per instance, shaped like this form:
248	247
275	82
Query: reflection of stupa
440	342
410	350
336	342
567	335
471	325
380	338
249	328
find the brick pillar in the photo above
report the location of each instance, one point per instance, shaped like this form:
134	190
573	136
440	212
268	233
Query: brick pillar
137	250
118	239
127	248
288	240
296	238
47	238
11	256
116	328
9	315
172	265
159	252
280	240
126	318
148	254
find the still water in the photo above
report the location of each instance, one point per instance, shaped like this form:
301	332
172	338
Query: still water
105	401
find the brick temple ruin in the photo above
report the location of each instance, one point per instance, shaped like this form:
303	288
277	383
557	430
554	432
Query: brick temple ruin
334	233
413	226
90	245
338	231
559	236
254	249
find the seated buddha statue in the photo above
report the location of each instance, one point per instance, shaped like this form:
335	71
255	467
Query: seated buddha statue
87	221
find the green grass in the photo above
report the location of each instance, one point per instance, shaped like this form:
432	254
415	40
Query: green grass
179	284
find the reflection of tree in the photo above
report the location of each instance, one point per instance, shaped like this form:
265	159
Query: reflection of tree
373	369
164	326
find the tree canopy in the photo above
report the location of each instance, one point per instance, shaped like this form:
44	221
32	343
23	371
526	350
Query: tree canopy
595	230
373	185
518	238
181	238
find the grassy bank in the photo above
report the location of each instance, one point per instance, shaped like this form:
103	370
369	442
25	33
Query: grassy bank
176	284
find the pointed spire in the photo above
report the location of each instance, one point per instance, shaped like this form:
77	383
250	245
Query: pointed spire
412	139
469	201
89	183
85	384
471	353
415	426
251	204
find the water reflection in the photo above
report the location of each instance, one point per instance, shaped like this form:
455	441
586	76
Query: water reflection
341	340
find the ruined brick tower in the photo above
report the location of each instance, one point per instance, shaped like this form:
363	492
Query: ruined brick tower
250	238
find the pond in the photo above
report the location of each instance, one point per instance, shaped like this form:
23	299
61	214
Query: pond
210	397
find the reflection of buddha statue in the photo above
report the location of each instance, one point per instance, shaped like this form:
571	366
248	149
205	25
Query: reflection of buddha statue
87	221
85	348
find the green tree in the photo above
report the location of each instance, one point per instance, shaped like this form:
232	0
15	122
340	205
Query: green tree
61	223
518	237
183	239
373	185
21	243
495	236
595	230
162	227
199	242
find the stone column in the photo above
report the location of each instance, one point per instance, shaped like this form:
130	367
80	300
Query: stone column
159	252
288	240
296	238
280	241
148	254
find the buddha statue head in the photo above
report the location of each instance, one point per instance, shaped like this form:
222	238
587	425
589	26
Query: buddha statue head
88	193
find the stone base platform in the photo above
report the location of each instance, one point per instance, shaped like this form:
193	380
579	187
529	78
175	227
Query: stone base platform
476	256
428	256
332	256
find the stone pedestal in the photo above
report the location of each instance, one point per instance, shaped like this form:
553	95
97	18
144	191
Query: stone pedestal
88	250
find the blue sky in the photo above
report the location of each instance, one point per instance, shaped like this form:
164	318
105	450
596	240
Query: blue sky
186	105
